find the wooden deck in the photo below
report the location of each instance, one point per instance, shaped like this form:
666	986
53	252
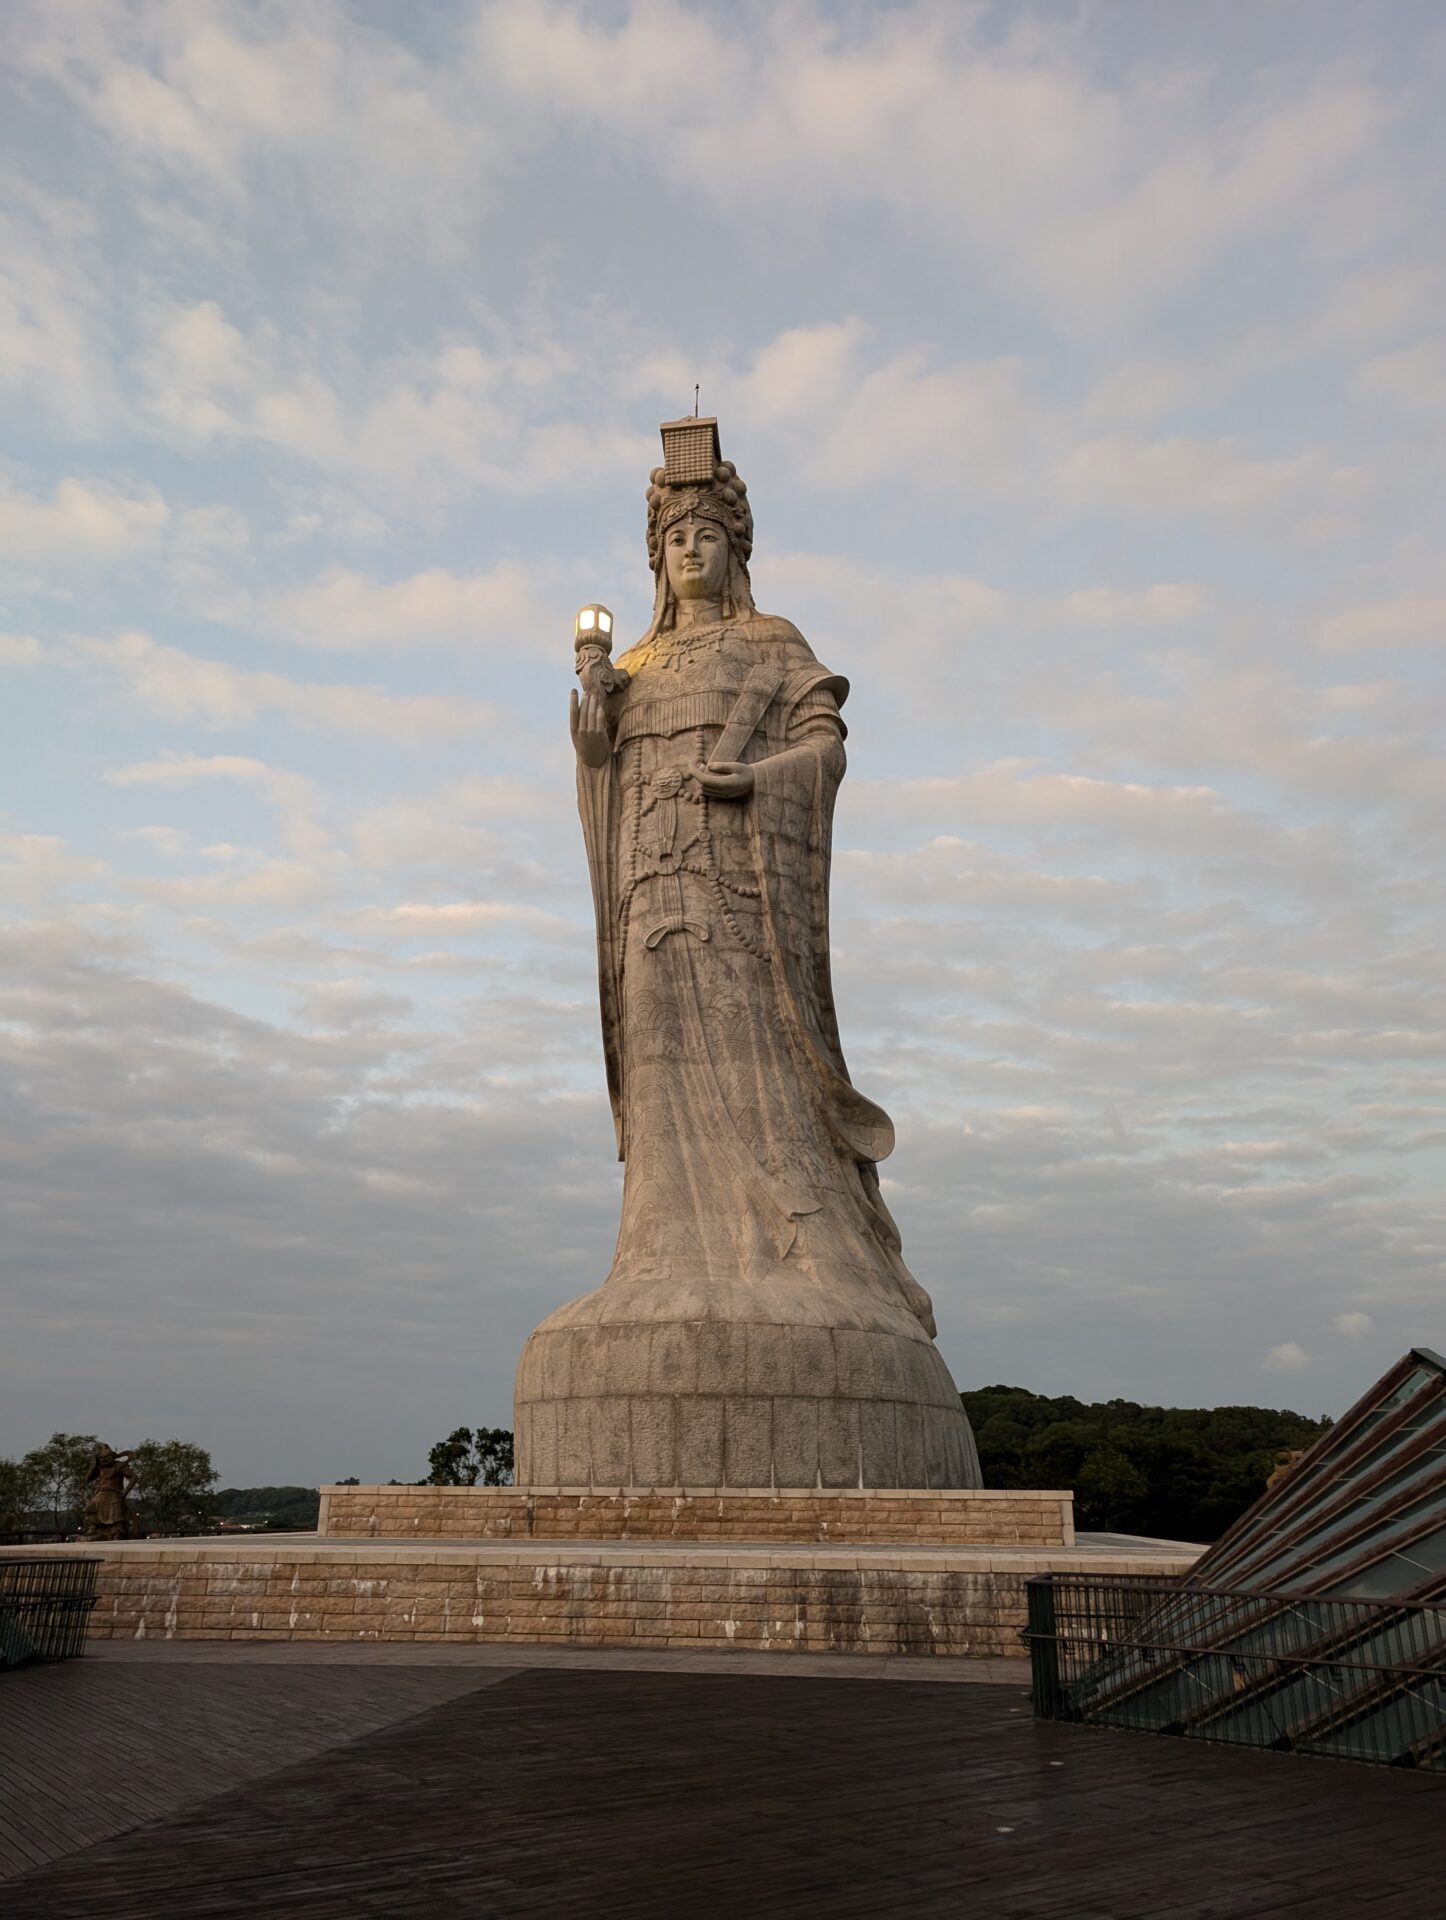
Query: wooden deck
92	1748
435	1786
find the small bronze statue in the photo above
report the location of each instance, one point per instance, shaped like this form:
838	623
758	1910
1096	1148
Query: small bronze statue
111	1476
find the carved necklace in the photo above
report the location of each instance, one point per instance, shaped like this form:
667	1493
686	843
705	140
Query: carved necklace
682	647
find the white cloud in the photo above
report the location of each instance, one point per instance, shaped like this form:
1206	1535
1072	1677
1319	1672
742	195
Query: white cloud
1094	196
81	520
1159	605
53	346
1286	1358
983	430
1355	1326
1413	377
420	919
464	827
345	609
246	881
295	797
1176	818
20	650
174	685
345	1005
1386	623
515	413
216	100
39	869
204	381
170	842
1189	475
1091	187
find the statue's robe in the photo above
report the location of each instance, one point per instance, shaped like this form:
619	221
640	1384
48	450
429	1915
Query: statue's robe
750	1156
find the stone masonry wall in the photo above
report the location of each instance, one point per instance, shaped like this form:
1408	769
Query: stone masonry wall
688	1603
973	1518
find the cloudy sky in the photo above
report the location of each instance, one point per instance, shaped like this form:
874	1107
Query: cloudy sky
1087	370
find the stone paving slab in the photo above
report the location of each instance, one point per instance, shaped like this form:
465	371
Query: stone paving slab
598	1793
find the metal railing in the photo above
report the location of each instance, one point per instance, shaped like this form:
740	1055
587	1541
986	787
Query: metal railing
1352	1679
45	1609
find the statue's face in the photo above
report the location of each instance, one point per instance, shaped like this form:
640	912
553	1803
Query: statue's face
696	555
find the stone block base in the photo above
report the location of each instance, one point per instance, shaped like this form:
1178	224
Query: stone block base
795	1600
966	1517
602	1400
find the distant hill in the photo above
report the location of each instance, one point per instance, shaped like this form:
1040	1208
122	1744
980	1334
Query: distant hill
288	1509
1180	1473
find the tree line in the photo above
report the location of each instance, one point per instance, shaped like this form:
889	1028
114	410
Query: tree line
1181	1473
1177	1473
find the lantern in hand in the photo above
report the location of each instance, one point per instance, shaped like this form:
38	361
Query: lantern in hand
592	644
593	627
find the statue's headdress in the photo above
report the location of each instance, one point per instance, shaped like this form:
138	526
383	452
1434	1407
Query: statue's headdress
695	479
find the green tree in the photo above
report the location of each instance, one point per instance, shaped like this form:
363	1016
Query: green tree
20	1495
174	1479
464	1458
1108	1489
494	1454
452	1461
58	1471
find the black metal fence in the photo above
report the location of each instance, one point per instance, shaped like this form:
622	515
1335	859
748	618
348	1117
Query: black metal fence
44	1609
1352	1679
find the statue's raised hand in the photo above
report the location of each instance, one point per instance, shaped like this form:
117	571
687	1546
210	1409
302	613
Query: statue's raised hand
726	780
589	727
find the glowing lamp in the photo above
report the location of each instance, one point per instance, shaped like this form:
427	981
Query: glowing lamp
593	623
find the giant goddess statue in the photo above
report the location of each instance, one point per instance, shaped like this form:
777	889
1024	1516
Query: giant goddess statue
758	1326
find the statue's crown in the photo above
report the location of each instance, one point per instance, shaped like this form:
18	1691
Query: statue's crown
696	479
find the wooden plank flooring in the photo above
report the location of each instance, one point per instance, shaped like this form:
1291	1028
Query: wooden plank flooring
89	1748
589	1791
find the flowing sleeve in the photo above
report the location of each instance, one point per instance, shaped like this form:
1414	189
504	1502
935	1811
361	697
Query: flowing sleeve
596	800
793	801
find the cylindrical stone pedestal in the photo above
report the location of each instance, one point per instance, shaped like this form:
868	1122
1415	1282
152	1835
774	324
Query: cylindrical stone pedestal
621	1389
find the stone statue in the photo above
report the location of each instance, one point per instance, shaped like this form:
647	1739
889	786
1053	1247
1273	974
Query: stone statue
110	1479
759	1326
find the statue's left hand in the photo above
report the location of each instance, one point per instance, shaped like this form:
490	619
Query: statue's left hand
726	780
588	720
